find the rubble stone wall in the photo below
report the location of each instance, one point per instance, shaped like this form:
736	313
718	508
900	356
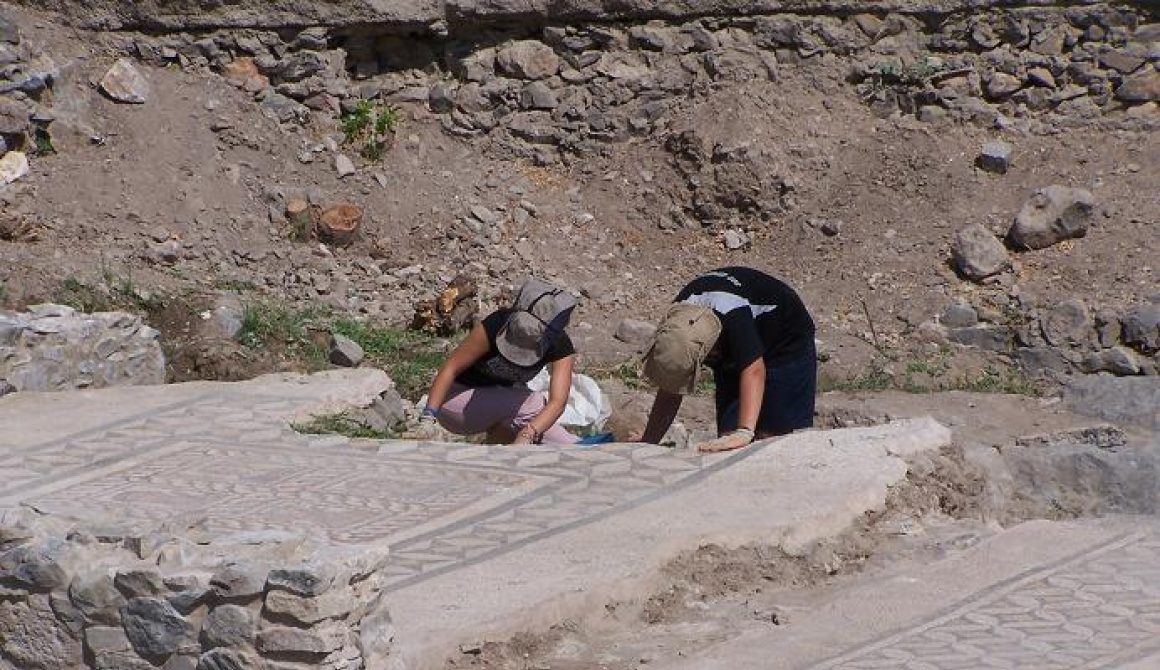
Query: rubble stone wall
547	90
56	348
108	599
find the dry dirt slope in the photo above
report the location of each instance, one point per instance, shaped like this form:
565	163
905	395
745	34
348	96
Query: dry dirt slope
202	163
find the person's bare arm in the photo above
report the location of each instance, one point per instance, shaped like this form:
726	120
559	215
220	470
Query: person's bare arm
751	393
560	373
664	410
473	348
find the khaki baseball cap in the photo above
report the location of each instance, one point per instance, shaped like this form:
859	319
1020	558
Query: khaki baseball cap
682	342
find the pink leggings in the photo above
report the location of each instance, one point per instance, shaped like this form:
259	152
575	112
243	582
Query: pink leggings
499	411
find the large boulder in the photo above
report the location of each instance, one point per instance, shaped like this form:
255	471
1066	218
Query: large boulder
978	254
1051	215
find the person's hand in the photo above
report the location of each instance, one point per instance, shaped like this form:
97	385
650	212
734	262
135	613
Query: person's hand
728	442
427	430
527	435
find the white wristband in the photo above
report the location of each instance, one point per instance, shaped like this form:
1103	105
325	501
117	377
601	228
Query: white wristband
748	433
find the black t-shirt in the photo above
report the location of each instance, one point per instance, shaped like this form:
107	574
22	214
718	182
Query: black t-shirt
495	370
760	317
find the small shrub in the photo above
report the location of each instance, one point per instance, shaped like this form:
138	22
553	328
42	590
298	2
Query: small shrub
43	142
370	128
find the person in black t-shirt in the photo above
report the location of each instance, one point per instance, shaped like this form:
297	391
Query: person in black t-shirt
757	336
481	388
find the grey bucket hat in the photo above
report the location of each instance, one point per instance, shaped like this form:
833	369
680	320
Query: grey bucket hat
539	315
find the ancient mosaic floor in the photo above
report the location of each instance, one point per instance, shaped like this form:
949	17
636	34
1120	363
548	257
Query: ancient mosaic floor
237	466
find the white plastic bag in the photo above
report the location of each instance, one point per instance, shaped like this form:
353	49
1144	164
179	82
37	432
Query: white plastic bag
587	407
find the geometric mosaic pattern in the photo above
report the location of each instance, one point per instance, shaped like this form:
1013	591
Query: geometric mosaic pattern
239	467
1100	609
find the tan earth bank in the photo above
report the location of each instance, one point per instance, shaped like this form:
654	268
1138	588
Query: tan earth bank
965	195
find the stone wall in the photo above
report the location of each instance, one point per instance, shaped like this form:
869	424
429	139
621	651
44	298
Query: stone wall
551	90
76	598
56	348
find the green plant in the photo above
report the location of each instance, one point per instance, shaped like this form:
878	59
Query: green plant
874	378
370	127
411	358
995	381
342	423
43	142
922	375
113	292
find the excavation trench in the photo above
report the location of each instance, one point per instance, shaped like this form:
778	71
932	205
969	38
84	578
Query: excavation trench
950	501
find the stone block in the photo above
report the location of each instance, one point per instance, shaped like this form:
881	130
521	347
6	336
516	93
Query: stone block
228	626
139	583
306	580
308	611
155	629
97	599
286	641
238	582
31	568
31	638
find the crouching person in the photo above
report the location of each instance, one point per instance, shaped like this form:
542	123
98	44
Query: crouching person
482	387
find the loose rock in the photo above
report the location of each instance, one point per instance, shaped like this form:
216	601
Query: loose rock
635	331
13	166
978	254
528	59
345	352
1051	215
959	315
125	83
344	166
1141	327
995	157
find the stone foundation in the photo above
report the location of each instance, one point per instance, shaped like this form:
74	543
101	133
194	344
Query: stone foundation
116	598
56	348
